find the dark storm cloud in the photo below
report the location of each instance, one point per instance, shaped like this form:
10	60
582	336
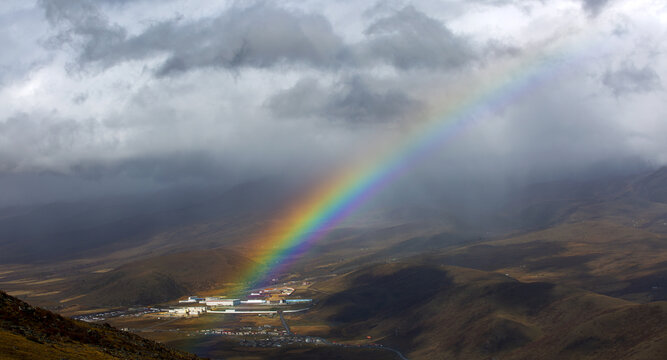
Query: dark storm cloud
95	179
353	99
167	168
411	39
260	35
629	79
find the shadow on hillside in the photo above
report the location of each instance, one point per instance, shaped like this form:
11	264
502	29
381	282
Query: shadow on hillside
654	285
528	298
379	297
492	257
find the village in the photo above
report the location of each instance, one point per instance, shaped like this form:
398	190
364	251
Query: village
270	302
266	301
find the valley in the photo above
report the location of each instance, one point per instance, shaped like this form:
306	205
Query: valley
578	271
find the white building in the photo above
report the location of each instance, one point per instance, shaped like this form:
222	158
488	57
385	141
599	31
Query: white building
253	301
216	301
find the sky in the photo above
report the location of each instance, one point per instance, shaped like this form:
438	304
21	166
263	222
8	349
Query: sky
117	96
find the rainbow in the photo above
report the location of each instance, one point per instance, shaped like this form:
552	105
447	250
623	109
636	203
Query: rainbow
320	209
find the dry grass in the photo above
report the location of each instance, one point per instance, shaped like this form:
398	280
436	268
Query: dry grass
15	347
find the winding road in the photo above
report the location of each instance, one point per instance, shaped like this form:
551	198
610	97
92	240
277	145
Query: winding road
282	319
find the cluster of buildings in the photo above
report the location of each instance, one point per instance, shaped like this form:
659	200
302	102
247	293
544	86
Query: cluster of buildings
102	316
188	311
210	301
246	331
264	336
253	304
281	291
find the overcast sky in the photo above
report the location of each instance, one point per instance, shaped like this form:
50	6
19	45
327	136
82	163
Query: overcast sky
116	96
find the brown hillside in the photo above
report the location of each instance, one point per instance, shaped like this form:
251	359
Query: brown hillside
603	255
435	312
27	332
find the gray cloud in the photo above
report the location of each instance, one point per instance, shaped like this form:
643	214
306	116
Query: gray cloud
37	140
165	168
495	49
629	79
203	96
354	99
259	35
594	7
409	38
82	25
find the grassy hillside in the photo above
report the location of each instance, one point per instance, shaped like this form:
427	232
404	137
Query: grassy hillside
27	332
435	312
163	278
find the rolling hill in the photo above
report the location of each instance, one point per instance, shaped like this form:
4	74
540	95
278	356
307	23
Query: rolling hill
607	236
435	312
162	278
